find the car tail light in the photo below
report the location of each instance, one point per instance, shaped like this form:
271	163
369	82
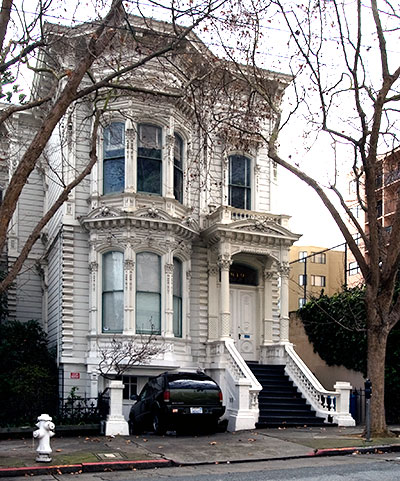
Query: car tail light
167	396
220	396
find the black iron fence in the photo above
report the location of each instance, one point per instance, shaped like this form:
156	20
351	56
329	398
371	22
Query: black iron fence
72	410
357	405
82	409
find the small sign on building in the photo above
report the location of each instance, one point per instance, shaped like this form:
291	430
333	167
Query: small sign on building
75	375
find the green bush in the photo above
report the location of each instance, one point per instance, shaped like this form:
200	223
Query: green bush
28	374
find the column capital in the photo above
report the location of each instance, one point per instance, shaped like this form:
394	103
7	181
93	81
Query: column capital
268	274
284	269
224	261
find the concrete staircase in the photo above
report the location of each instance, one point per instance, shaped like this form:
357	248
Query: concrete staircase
280	403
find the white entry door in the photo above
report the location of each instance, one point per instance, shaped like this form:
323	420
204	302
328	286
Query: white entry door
243	306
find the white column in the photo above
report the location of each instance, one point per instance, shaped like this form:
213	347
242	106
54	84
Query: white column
224	262
129	295
130	157
169	305
116	423
284	270
212	302
268	320
94	384
169	157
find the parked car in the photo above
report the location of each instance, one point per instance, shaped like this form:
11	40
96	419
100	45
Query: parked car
176	399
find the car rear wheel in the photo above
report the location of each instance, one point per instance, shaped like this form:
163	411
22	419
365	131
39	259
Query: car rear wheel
158	423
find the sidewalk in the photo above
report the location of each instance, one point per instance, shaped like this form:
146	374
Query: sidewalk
100	453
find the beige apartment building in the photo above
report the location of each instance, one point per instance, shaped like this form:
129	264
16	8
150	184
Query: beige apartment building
313	269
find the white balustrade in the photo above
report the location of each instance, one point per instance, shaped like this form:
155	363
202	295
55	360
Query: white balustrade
333	406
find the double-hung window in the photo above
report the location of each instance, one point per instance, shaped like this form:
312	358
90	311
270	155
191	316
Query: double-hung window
239	182
148	293
149	159
114	158
178	168
177	298
113	292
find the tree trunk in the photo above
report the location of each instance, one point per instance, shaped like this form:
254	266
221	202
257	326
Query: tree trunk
377	340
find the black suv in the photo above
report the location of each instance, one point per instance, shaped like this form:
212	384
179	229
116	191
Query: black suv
175	400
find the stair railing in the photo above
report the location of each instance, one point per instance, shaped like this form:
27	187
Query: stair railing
330	405
243	388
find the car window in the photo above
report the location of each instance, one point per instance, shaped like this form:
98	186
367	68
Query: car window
193	384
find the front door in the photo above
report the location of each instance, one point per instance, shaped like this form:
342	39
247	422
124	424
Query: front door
243	306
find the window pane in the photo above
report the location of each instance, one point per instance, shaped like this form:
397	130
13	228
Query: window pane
148	175
114	139
177	278
178	185
237	170
114	175
149	136
113	271
148	318
148	272
177	321
237	197
113	311
178	151
114	158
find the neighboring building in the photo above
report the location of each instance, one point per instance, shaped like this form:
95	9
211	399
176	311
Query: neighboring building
172	235
387	190
312	270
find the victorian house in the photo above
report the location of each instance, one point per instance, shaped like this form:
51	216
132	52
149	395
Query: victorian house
172	235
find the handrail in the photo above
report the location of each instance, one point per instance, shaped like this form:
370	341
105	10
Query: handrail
323	401
241	367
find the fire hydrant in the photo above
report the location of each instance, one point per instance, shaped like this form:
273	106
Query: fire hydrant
43	434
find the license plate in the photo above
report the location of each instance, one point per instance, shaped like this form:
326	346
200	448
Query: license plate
196	410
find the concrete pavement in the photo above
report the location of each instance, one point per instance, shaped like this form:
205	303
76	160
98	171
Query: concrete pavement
99	453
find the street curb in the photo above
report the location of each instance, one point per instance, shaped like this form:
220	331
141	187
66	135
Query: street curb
359	450
85	467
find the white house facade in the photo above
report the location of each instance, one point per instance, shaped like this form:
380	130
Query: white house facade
172	235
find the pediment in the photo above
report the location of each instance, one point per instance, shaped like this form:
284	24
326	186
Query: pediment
103	212
262	226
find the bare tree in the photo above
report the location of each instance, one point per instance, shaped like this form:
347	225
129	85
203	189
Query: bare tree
346	80
121	354
84	63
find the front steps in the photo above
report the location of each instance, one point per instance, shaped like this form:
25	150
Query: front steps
280	403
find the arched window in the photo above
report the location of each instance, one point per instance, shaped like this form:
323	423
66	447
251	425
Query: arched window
148	293
239	182
149	159
178	168
114	158
113	292
177	298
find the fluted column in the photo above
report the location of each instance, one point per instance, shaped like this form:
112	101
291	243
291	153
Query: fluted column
268	320
212	302
224	263
284	270
169	306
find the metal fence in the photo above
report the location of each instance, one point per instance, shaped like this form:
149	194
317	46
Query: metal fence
357	405
82	409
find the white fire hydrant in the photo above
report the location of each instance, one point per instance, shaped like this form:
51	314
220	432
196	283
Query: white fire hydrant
43	434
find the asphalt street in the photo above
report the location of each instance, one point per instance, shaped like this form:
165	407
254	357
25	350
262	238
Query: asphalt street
378	467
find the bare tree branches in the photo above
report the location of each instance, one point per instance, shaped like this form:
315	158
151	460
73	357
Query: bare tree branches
121	354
